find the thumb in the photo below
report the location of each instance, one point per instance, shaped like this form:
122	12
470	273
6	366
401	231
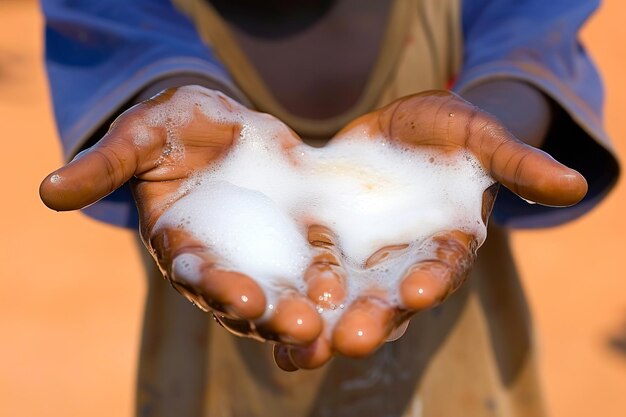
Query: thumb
106	166
527	171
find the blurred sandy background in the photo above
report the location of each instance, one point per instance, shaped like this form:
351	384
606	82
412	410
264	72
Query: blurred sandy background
72	290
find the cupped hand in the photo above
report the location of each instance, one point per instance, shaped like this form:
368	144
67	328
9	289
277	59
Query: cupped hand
158	145
441	122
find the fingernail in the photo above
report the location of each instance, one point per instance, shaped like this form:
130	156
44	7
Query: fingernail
398	331
282	359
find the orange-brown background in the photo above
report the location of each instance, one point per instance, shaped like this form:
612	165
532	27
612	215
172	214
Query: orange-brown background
72	290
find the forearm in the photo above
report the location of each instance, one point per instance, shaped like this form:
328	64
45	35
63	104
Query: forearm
522	108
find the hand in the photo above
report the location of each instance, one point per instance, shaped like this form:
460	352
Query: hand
443	122
158	145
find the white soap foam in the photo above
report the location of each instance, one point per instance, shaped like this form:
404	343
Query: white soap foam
252	233
253	207
140	134
187	267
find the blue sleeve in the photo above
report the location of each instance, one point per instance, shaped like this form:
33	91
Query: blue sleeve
101	54
536	41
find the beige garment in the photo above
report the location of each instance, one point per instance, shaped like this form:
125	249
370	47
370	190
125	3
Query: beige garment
470	357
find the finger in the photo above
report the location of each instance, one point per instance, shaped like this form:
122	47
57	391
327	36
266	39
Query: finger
282	358
191	265
104	167
529	172
294	321
425	286
363	327
238	294
428	282
312	356
167	245
325	278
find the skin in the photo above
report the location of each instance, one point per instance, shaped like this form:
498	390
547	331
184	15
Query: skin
436	119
